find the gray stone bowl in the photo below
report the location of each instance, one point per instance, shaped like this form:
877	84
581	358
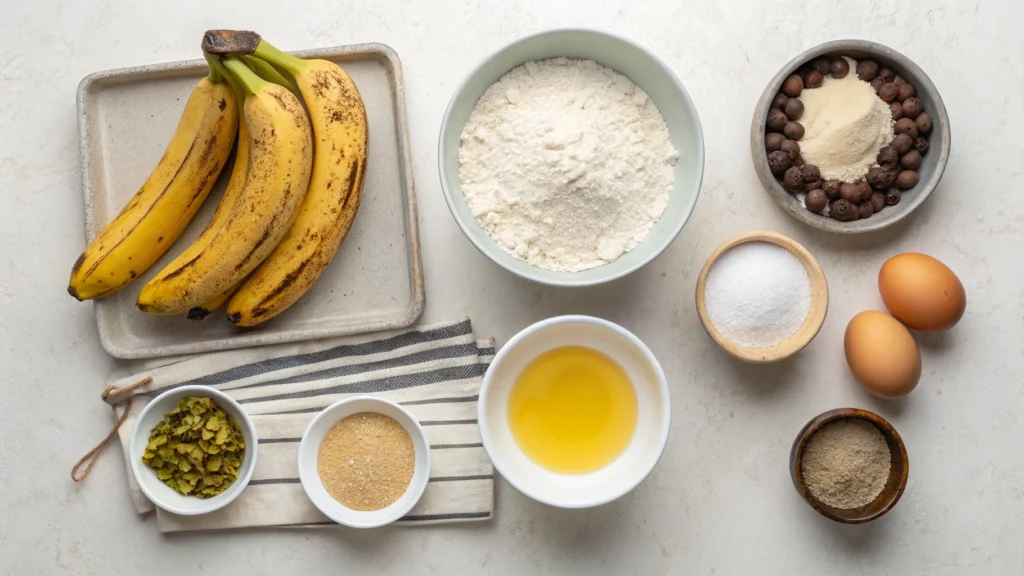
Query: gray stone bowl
931	168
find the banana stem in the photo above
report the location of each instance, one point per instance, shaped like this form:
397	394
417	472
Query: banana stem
240	92
248	81
217	71
264	70
292	64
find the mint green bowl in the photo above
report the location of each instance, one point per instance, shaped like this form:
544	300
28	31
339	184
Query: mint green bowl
624	56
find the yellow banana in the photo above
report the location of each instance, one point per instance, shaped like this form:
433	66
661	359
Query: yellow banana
170	197
280	159
339	167
236	183
204	309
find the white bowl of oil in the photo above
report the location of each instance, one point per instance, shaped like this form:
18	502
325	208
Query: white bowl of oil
574	411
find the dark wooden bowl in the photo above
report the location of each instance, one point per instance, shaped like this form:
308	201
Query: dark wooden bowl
899	470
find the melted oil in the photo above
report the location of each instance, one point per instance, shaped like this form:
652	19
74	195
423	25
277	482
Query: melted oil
573	410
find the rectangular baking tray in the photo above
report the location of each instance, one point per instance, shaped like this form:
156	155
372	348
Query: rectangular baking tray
126	118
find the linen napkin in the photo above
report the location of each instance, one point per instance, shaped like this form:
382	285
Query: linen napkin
435	372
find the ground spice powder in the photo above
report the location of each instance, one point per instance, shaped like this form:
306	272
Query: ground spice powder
366	461
846	463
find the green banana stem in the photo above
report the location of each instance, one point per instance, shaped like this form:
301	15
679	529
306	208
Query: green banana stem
264	70
248	81
217	72
292	64
236	86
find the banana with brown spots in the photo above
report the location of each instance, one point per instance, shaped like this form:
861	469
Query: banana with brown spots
170	197
339	167
280	156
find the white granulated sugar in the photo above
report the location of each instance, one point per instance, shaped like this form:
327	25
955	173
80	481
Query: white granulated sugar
566	163
757	294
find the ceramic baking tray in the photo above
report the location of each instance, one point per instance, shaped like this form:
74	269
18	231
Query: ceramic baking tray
125	119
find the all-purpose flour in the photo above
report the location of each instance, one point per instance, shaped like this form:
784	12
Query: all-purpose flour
566	163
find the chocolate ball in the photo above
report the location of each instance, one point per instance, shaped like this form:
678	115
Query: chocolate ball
873	174
840	68
793	109
815	201
772	141
841	210
878	201
897	110
791	148
779	162
795	130
906	126
867	70
780	101
892	197
911	160
823	64
831	188
888	92
886	178
865	190
921	144
886	73
866	209
906	91
814	79
850	192
887	157
813	184
924	123
912	107
877	84
905	180
810	173
901	143
793	86
776	120
792	180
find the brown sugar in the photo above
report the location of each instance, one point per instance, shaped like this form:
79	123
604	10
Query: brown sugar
846	463
366	461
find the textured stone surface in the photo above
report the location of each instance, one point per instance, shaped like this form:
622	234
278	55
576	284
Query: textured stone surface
721	501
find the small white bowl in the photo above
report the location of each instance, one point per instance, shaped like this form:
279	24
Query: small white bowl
625	472
161	494
624	56
309	448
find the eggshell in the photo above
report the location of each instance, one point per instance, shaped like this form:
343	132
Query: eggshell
922	292
882	354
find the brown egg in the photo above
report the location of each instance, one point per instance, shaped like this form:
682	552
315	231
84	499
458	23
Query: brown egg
922	292
882	354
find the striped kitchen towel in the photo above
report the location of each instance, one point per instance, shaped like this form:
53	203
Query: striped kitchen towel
433	371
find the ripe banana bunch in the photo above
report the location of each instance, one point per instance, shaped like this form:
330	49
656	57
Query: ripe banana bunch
170	197
256	212
335	187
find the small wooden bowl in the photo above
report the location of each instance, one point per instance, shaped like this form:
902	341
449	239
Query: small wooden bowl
810	327
890	495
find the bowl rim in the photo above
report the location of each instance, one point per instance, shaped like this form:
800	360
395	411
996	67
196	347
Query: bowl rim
923	190
815	316
482	420
248	431
532	273
416	488
813	426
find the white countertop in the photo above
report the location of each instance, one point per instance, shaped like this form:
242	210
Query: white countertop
721	500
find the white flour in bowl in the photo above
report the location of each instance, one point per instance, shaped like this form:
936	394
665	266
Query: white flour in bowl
566	163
